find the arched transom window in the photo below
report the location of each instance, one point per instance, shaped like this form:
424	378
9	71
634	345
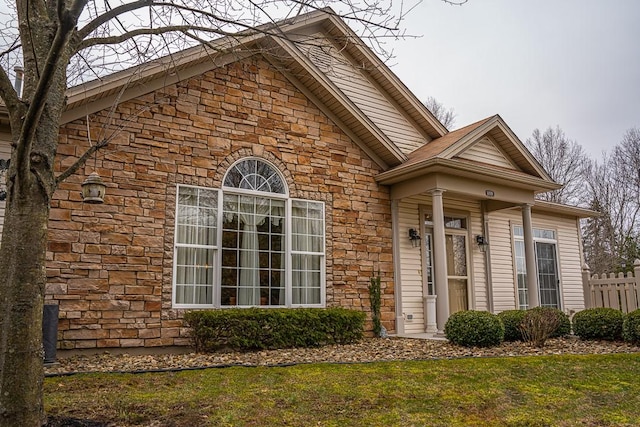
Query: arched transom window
256	175
248	244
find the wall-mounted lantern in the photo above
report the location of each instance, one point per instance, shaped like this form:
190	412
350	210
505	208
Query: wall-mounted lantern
93	189
482	243
414	237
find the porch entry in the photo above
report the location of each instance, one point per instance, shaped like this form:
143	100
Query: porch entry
457	260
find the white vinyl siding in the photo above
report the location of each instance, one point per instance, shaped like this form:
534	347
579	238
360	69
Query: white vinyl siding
502	262
485	151
366	96
411	266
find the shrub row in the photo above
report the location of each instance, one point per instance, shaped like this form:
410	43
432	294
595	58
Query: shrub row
483	329
257	329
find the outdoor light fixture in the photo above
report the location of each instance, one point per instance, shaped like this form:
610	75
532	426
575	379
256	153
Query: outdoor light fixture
482	242
414	237
93	189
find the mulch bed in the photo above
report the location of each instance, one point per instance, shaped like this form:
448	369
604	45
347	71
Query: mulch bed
368	350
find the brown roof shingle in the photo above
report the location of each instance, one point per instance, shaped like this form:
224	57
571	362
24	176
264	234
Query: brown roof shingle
437	146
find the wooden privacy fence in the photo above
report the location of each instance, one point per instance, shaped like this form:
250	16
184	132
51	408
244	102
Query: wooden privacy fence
620	291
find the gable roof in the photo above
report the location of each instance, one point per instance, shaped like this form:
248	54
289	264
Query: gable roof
445	152
288	58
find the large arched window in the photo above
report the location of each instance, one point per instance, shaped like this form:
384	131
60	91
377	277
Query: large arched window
263	249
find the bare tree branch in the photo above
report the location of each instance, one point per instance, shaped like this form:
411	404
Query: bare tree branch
82	160
7	91
13	47
564	160
146	31
446	116
109	15
37	103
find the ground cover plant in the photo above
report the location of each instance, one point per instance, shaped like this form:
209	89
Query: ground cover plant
569	390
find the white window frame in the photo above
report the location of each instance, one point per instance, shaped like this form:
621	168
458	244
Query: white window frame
215	248
288	253
537	237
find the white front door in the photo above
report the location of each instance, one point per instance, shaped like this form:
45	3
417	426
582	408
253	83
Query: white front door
457	261
457	272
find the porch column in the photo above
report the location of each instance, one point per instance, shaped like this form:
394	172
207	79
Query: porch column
440	261
530	258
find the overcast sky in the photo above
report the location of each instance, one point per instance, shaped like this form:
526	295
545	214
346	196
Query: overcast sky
537	63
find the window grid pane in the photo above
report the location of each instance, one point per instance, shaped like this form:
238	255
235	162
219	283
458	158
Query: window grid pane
306	276
194	275
307	223
195	240
521	274
253	257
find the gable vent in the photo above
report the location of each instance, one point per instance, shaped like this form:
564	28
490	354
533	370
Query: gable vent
320	59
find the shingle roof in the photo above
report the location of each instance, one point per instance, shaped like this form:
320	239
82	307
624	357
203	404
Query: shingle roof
437	146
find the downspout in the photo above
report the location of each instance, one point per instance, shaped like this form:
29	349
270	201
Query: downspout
487	255
397	276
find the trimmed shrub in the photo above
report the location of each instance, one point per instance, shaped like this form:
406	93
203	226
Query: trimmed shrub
512	320
538	325
598	324
564	323
631	327
474	329
257	329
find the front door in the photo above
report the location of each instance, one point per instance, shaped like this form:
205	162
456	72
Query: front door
457	271
457	267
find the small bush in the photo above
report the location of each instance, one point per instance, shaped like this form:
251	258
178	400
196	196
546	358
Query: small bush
598	324
256	329
474	329
512	319
539	324
631	327
564	323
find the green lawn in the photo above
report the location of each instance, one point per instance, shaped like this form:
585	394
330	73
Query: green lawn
521	391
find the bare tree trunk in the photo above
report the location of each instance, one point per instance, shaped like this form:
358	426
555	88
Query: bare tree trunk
22	282
30	186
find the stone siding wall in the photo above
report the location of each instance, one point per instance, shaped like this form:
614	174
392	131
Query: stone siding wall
110	266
